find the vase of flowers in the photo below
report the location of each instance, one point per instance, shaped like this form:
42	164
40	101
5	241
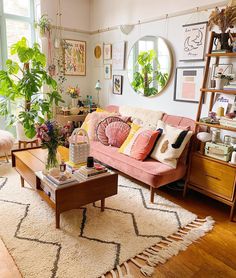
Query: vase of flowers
51	136
222	80
74	92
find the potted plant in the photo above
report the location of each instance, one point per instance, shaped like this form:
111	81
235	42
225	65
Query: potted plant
225	19
222	80
21	83
146	76
44	25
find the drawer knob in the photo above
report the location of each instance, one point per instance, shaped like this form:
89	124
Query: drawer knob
49	194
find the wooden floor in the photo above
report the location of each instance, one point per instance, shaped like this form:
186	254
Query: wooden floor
212	256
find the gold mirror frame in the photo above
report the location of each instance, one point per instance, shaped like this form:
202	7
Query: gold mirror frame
131	71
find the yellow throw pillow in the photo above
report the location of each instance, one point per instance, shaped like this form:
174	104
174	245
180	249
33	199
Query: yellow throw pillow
85	124
133	130
100	110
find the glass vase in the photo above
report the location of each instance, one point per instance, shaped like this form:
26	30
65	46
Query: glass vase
52	161
74	102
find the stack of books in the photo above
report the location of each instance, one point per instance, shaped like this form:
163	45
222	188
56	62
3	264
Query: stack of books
230	86
90	172
228	122
72	167
60	179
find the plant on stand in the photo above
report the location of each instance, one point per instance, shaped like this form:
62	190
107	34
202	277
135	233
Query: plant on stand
22	84
225	19
44	25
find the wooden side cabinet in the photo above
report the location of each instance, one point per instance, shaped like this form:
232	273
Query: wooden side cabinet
213	178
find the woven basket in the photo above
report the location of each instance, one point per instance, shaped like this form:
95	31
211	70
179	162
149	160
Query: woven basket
79	146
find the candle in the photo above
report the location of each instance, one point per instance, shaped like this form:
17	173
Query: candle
220	111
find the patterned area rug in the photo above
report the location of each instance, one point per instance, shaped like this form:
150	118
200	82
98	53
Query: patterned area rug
90	243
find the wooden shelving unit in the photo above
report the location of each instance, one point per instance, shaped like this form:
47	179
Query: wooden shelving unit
212	177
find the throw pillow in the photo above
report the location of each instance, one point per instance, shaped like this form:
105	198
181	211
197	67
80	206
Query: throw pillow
142	143
85	124
116	133
171	144
133	130
101	128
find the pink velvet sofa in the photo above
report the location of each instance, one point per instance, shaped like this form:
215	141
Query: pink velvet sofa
150	171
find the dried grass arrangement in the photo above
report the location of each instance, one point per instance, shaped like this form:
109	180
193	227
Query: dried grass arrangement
224	18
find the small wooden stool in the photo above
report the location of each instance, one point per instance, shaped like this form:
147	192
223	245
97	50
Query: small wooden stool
25	143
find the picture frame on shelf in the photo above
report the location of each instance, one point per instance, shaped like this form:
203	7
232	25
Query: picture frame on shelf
118	55
188	82
75	57
194	41
107	71
117	84
107	51
221	68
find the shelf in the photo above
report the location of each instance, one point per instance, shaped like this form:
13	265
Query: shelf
217	126
227	92
228	54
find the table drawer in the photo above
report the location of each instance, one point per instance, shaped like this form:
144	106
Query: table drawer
48	191
213	177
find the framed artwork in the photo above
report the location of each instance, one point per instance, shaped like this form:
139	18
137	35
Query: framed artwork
188	82
107	71
107	50
194	41
75	57
118	55
117	84
221	68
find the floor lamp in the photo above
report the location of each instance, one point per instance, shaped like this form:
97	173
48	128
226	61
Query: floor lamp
98	88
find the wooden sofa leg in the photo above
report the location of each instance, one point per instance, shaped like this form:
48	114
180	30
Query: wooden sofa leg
152	192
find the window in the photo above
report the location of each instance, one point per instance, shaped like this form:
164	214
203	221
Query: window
16	20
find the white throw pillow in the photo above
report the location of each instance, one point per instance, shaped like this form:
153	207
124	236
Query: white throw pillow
165	150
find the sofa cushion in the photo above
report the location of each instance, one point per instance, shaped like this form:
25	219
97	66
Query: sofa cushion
150	171
133	130
116	133
171	144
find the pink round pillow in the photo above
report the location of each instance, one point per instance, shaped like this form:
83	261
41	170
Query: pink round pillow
116	133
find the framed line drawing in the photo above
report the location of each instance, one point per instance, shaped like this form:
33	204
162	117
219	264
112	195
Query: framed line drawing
107	51
107	71
188	82
75	57
117	84
194	41
118	55
221	68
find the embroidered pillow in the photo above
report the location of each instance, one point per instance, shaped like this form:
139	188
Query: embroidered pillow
171	144
101	128
116	133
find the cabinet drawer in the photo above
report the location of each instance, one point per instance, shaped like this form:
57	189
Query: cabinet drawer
48	191
213	177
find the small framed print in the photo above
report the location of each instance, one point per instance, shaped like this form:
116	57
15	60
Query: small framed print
117	84
188	82
221	68
107	71
107	51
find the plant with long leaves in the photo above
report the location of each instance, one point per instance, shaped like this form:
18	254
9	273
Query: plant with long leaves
21	84
145	78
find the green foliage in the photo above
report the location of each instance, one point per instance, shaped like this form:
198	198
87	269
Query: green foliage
22	83
44	24
143	78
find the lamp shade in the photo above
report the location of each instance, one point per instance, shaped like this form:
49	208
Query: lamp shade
98	85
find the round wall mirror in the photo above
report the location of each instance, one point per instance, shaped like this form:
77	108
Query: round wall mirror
149	66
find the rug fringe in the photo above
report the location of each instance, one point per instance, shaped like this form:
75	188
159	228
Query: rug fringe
167	248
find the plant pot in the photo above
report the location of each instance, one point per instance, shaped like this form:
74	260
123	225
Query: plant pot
219	83
20	133
224	40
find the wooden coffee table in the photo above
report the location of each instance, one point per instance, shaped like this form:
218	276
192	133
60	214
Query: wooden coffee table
29	164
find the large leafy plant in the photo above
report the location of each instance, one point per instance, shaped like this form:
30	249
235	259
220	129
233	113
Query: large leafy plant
145	78
21	84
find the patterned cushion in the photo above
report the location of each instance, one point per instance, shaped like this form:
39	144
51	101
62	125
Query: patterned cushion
133	130
171	144
101	128
116	133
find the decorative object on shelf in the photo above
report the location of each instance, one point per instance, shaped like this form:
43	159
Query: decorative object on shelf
117	86
187	84
215	133
51	136
233	158
218	151
149	69
97	51
126	29
203	137
224	101
75	57
44	24
212	84
107	51
107	71
222	80
27	86
225	19
194	41
98	87
118	55
79	146
74	92
220	112
90	162
225	69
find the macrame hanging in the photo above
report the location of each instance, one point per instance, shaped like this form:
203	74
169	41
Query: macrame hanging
58	36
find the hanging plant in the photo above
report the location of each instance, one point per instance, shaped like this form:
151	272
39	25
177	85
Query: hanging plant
44	25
